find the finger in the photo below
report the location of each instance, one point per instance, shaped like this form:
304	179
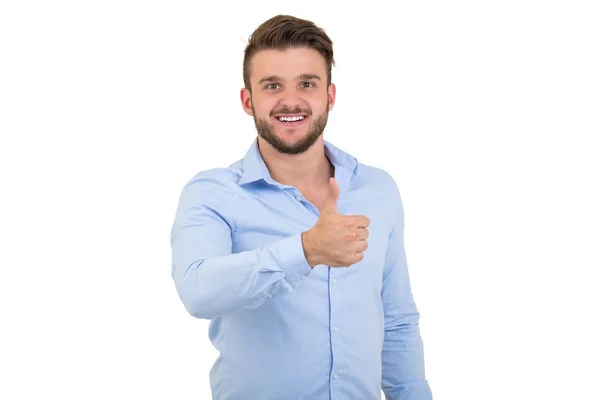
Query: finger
358	257
364	222
359	221
363	233
361	246
332	199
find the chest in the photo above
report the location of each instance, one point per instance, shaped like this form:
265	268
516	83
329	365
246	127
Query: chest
315	197
264	217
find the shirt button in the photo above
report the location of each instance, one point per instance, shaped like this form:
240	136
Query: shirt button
335	329
335	376
302	276
269	295
298	198
334	281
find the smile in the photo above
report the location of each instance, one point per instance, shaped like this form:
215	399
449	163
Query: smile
291	119
294	118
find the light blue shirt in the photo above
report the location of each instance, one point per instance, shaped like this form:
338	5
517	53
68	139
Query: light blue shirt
285	331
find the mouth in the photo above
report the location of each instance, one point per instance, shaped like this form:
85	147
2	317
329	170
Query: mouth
291	120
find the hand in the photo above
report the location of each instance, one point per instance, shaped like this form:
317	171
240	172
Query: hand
335	240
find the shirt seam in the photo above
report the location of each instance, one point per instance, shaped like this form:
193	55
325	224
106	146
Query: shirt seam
235	219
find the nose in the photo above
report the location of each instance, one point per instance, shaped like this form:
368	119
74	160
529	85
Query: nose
290	98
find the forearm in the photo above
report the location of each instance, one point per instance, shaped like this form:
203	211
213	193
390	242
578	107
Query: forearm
403	370
403	366
215	286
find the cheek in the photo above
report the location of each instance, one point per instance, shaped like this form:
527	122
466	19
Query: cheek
263	109
319	103
319	107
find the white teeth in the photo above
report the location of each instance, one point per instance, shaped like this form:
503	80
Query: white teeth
291	119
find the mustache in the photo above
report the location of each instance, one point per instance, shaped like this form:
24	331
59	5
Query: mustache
297	110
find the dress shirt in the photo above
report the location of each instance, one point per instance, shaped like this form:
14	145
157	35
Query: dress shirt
285	331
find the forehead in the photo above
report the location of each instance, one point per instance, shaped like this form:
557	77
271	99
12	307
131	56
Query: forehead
288	63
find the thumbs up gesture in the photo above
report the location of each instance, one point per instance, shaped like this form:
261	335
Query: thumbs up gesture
335	240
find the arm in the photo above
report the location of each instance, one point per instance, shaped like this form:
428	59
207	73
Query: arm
210	280
403	370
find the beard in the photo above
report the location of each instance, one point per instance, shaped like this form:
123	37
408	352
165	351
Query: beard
266	130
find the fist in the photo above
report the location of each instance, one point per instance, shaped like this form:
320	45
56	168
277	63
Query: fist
335	240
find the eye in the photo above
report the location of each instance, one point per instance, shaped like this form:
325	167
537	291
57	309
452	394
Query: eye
307	85
272	86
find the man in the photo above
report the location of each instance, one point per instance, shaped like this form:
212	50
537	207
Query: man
273	249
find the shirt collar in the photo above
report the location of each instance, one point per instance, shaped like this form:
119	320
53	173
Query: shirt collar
254	167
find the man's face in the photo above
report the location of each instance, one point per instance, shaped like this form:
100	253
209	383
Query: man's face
290	99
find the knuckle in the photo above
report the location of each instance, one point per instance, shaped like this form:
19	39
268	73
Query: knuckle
350	236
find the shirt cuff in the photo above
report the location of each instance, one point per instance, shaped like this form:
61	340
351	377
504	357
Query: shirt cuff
292	260
410	391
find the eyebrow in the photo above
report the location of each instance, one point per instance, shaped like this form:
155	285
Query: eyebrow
302	77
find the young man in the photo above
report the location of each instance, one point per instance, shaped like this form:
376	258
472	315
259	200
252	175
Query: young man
273	249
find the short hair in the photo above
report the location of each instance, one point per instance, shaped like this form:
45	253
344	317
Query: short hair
285	31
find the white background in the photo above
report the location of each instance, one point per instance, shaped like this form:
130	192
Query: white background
486	113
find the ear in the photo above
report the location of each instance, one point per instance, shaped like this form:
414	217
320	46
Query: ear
331	96
246	99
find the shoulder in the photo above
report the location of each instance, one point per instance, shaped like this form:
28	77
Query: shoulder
215	187
383	188
378	179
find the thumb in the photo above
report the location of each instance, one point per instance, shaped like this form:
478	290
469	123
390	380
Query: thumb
331	201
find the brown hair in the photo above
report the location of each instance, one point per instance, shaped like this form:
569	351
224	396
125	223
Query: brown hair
284	31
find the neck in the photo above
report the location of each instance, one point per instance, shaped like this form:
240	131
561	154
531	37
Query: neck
309	169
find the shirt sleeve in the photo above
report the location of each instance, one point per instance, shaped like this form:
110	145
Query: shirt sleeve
403	370
210	280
